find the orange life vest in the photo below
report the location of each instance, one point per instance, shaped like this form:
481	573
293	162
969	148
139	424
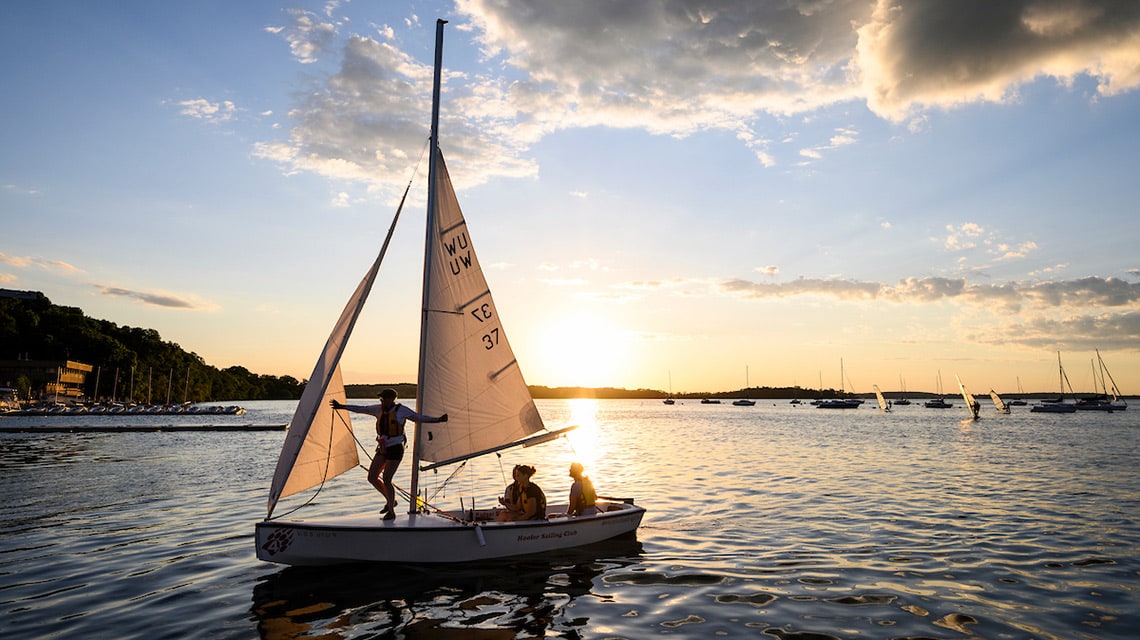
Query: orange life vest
387	425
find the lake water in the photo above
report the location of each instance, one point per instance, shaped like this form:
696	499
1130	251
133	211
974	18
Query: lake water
773	521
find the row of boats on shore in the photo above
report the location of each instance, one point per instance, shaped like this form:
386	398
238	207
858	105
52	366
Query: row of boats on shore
118	409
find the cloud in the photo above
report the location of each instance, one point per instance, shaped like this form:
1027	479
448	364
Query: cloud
307	34
24	262
1074	295
166	300
679	68
203	109
25	191
930	53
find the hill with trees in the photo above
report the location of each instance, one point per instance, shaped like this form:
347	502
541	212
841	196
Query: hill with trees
33	328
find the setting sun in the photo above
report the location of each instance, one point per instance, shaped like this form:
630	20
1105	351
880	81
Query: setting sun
583	350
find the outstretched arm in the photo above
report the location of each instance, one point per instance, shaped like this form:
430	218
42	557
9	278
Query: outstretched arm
371	410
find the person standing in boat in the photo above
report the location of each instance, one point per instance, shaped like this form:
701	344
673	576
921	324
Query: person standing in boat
582	494
524	500
390	420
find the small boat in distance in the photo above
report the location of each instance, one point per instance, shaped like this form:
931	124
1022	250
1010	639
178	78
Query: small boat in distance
1019	401
1059	405
1103	399
744	402
940	401
903	399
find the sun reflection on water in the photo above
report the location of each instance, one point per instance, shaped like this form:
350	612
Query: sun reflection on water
583	441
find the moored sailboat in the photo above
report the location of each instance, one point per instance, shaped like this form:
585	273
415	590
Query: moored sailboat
940	401
467	370
1059	405
744	402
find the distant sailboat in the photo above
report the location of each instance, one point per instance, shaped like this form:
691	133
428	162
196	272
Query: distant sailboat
1101	400
940	401
902	385
971	404
883	404
745	402
1059	405
1118	403
670	399
840	402
999	405
1019	401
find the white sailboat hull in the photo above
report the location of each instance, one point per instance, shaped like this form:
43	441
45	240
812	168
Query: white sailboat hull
435	539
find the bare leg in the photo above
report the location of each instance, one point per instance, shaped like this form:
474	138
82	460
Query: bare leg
389	490
379	462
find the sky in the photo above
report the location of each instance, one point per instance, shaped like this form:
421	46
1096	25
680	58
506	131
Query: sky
684	196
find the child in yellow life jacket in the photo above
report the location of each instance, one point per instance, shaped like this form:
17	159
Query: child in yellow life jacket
390	420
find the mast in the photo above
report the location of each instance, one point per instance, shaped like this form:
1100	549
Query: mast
429	243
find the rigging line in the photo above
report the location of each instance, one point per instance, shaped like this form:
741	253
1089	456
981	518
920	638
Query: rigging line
449	478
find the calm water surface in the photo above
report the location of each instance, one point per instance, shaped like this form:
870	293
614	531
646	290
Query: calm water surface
773	521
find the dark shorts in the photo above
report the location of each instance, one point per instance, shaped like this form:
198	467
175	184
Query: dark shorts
395	452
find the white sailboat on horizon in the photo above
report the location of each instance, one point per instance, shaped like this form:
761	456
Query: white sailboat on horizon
467	370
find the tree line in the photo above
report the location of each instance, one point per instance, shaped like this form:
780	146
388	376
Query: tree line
146	366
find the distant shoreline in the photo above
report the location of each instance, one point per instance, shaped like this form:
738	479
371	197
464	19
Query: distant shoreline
408	390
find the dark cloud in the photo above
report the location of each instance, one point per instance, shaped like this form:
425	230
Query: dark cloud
156	299
916	53
678	67
1083	293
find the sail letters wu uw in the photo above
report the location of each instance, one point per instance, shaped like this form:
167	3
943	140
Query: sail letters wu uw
470	371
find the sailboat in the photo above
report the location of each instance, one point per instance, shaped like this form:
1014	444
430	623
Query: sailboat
883	404
1059	405
840	402
745	402
902	385
1101	400
467	370
999	405
1019	401
971	403
940	401
670	399
1118	403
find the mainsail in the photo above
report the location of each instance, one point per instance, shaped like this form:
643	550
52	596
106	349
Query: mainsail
468	368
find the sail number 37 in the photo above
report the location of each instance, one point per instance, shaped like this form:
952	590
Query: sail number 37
483	313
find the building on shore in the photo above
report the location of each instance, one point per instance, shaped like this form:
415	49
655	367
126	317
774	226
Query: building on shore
50	380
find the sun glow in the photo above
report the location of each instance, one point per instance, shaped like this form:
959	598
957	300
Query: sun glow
584	439
582	350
